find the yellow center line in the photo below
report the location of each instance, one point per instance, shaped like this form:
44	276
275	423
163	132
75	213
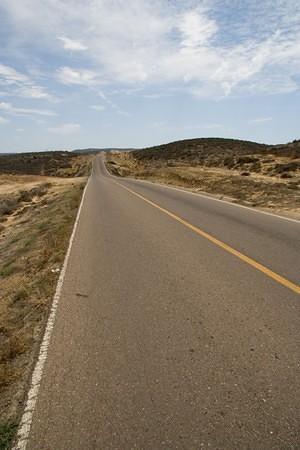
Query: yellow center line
275	276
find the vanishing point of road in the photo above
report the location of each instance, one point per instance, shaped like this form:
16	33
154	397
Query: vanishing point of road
177	326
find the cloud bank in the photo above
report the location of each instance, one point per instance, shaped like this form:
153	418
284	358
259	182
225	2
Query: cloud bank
207	48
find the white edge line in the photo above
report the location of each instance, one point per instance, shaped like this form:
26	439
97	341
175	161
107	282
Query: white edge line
26	420
255	210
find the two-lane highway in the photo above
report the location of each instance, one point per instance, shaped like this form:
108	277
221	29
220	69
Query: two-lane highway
177	326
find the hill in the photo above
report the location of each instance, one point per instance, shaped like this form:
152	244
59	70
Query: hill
60	163
246	172
228	153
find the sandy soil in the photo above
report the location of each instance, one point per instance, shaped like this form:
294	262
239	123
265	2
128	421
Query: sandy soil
14	183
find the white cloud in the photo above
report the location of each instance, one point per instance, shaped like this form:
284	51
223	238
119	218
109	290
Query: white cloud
8	76
259	120
67	75
20	85
33	92
113	105
8	108
65	128
155	95
70	44
253	48
196	29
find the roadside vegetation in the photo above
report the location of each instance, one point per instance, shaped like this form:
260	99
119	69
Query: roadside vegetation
37	214
58	164
244	172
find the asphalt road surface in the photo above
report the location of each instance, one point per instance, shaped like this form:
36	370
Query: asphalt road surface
177	326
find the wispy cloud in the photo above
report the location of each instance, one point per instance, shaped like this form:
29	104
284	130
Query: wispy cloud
196	29
71	44
259	120
84	77
154	96
254	49
65	128
9	76
10	109
113	105
21	85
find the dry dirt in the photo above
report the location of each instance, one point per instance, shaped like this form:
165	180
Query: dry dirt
267	181
36	218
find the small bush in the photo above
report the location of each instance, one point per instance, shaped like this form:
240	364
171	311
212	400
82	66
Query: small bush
38	191
247	160
255	167
15	346
21	294
43	226
229	162
7	432
6	374
8	269
289	167
25	196
8	206
293	186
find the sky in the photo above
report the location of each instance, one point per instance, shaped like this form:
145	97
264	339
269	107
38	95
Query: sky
136	73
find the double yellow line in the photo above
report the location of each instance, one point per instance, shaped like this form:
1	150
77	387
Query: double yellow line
275	276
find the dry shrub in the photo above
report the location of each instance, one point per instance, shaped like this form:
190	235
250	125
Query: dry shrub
12	347
37	191
8	206
6	374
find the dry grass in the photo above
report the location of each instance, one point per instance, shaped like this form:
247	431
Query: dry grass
7	432
36	223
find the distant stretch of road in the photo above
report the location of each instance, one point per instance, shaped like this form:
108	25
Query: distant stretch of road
177	326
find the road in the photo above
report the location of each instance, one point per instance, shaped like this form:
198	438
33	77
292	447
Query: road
177	326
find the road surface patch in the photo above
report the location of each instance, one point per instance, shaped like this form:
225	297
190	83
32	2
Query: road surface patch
260	267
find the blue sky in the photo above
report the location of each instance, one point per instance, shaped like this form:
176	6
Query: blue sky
102	73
